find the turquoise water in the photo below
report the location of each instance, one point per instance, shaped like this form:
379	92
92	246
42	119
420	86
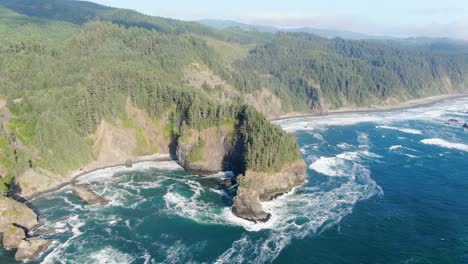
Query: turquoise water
382	188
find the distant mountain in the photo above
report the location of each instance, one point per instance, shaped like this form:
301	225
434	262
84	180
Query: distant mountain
325	33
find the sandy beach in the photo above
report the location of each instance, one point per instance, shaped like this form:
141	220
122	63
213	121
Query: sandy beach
384	108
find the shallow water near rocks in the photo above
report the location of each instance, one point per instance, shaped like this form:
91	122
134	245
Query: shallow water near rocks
386	187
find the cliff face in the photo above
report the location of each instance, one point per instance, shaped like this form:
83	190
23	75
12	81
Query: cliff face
207	151
255	187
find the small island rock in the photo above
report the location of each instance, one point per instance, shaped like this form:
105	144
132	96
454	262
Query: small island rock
129	163
87	195
247	205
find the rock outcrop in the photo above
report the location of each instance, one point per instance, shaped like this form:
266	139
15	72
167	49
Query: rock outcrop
255	187
13	236
87	195
31	248
14	212
247	205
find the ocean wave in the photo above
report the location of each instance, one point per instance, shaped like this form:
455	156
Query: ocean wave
337	166
395	147
404	130
445	144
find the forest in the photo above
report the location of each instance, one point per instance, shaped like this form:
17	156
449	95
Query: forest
66	65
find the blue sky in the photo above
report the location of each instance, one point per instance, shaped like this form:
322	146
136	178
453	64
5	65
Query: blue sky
434	18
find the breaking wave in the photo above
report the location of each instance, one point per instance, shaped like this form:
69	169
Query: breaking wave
404	130
438	112
445	144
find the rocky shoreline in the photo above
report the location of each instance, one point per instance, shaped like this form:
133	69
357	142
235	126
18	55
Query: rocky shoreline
253	189
16	220
256	187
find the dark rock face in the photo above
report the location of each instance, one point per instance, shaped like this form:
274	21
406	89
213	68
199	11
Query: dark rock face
259	186
226	183
247	205
12	211
215	153
31	248
13	236
129	163
87	195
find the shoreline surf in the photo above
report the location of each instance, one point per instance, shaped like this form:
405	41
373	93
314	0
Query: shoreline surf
413	103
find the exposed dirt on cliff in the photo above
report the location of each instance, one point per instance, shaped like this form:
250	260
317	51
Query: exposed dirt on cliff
150	130
266	102
215	87
197	75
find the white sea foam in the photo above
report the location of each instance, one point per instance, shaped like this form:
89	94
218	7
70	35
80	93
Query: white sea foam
445	144
404	130
344	145
438	112
336	166
110	255
329	166
54	257
395	147
300	214
104	174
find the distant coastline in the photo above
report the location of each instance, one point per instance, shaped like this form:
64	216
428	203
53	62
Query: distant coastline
413	103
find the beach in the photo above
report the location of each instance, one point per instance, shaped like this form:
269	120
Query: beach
426	101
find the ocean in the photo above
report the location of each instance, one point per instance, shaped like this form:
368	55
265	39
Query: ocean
386	187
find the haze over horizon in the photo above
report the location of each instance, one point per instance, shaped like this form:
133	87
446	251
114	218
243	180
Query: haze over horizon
431	18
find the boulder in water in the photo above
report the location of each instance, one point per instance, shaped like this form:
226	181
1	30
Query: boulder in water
226	183
31	248
129	163
13	236
86	194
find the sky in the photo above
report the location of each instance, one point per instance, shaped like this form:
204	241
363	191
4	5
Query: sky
400	18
